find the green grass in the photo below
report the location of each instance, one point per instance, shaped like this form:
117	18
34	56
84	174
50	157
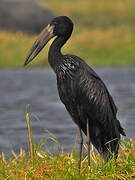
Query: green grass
14	49
104	34
43	165
95	13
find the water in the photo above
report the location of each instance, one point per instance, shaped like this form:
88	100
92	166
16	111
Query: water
37	87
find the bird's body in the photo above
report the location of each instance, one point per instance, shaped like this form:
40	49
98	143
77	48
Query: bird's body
81	90
86	97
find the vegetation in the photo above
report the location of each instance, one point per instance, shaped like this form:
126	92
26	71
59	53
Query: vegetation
64	166
104	34
39	164
14	48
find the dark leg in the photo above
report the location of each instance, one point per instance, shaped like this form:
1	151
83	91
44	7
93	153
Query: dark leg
80	142
88	141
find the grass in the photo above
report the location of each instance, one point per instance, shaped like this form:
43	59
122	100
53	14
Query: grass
38	164
104	34
14	48
94	13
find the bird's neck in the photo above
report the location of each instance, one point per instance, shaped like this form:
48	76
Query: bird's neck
55	55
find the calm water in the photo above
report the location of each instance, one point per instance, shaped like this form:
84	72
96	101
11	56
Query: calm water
37	87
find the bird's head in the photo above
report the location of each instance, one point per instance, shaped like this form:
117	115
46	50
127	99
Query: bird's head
60	26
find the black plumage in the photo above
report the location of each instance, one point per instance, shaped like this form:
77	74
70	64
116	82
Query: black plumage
85	96
81	90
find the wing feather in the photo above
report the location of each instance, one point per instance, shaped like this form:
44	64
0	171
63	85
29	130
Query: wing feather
95	98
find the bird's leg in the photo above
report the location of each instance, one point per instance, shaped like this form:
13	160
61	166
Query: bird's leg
80	142
88	141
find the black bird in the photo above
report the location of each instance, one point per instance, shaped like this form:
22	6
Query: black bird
81	90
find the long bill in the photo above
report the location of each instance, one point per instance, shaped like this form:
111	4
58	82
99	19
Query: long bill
44	37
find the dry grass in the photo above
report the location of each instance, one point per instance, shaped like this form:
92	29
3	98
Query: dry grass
14	49
115	7
64	166
94	12
46	166
98	37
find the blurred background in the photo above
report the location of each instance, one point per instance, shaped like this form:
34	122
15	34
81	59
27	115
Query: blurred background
104	36
104	32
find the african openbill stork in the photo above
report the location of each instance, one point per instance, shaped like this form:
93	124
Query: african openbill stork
81	90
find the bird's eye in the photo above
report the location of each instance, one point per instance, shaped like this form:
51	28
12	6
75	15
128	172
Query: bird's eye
55	23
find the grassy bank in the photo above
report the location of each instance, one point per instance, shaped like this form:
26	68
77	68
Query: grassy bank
43	165
64	166
104	34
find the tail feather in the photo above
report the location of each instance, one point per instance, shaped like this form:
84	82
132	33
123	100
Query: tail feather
107	144
121	130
